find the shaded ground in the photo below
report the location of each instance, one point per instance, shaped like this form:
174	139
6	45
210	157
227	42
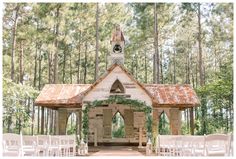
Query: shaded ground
115	151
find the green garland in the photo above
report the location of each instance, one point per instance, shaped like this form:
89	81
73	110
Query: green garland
138	105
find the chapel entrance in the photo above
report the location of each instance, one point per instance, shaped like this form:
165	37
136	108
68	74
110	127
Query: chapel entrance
118	126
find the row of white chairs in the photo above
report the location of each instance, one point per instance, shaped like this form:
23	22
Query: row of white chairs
207	145
41	145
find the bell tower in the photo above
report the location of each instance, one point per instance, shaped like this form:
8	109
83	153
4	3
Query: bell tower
117	45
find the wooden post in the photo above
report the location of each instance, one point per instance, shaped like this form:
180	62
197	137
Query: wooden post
191	121
32	125
42	120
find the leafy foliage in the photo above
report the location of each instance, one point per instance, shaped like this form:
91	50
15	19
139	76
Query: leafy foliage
218	98
15	101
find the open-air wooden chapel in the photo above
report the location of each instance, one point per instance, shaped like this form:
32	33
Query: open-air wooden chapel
117	91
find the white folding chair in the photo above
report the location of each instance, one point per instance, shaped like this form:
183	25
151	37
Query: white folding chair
63	145
167	145
217	145
12	145
198	145
186	146
71	144
43	142
29	145
54	146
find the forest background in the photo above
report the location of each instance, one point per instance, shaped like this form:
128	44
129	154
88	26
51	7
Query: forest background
166	43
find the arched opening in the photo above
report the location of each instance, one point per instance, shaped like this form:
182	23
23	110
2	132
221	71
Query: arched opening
164	124
71	124
118	126
117	87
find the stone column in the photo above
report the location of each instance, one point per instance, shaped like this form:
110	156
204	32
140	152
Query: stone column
140	137
175	121
62	119
154	126
95	136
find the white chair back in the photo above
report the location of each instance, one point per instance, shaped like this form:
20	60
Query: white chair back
63	146
217	145
198	145
186	146
53	148
43	144
72	144
167	145
29	145
12	145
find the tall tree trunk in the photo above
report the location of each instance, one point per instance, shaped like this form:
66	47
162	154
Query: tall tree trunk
32	125
78	64
51	122
97	44
145	66
35	64
71	73
55	80
174	67
231	114
227	119
196	75
200	65
40	70
188	64
161	67
85	62
156	57
200	60
154	68
191	121
187	115
64	66
50	67
16	12
39	87
21	54
136	68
